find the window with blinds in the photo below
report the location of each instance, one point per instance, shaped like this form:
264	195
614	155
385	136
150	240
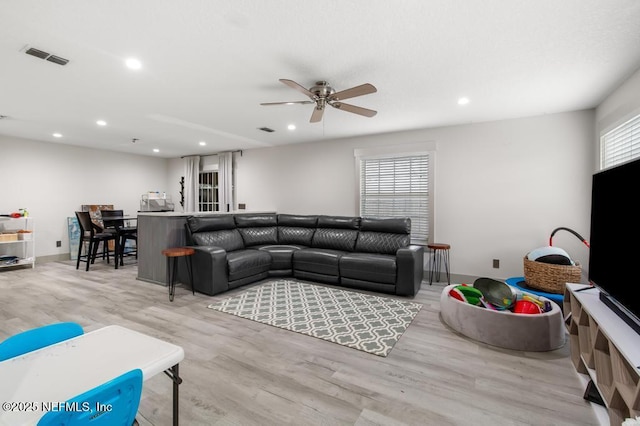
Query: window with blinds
397	187
621	144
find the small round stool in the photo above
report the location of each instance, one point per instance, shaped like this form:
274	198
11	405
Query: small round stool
171	254
439	254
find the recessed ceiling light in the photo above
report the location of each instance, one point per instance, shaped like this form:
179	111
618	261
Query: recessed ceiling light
463	101
202	143
57	135
133	63
291	127
156	150
101	123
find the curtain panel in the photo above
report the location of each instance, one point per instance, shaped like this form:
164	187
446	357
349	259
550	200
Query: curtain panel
191	176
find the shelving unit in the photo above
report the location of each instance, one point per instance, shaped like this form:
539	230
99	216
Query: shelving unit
605	350
16	244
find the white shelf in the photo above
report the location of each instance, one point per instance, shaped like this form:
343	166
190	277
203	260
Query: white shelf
600	412
617	331
24	250
606	350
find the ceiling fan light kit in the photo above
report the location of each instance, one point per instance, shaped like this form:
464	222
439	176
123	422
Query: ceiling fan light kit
322	94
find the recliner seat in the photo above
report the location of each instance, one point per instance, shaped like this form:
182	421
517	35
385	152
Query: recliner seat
334	237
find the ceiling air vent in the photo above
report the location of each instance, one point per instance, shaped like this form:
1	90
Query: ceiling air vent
46	55
37	53
57	60
266	129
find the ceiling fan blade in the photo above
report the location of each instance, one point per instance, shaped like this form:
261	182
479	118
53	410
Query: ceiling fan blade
354	109
287	103
363	89
298	87
316	115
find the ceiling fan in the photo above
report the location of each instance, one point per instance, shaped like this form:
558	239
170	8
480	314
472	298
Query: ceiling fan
322	95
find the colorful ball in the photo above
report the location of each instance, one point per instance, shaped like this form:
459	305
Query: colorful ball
466	294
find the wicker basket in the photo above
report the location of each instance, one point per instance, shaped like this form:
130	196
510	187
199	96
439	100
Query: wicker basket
548	277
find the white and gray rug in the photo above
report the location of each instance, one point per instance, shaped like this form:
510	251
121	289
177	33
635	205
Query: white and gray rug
361	321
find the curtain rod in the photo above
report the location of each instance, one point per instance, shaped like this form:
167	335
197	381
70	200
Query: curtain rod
215	153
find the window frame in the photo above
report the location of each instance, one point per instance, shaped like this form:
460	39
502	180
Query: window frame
208	191
401	151
620	143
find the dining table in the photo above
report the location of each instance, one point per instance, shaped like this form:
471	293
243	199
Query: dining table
123	228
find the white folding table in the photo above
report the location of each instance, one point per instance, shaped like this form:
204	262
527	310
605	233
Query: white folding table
59	372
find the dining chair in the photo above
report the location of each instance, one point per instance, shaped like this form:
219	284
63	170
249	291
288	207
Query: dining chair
113	222
36	338
114	403
94	235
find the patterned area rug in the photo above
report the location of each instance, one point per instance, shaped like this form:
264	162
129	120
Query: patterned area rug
369	323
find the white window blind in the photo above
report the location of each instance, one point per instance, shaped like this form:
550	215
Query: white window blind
621	144
397	187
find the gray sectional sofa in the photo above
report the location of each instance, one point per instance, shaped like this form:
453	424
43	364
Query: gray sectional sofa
364	253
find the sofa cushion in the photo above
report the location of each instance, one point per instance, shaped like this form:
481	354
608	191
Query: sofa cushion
257	229
259	236
336	233
339	222
394	225
246	263
295	235
210	223
297	221
281	256
228	239
296	229
255	220
384	236
381	242
317	260
335	239
378	268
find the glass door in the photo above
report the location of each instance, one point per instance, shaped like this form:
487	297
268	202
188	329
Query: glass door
208	197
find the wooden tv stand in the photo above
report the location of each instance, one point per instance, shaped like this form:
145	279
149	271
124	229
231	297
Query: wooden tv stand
604	349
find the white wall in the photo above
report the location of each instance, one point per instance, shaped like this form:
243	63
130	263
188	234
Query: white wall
54	180
501	187
175	172
621	105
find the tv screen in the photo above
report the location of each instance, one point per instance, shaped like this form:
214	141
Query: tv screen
614	239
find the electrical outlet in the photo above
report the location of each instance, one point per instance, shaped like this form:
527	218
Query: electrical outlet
58	243
242	206
496	263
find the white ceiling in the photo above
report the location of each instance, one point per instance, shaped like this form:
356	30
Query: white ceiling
208	64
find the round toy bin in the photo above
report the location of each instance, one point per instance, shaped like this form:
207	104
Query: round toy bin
504	329
548	277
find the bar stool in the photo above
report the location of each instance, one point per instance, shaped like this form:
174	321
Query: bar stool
439	254
171	254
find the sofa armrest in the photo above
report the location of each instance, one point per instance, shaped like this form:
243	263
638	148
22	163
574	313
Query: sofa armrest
410	264
210	270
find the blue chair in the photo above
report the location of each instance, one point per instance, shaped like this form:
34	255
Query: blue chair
37	338
114	403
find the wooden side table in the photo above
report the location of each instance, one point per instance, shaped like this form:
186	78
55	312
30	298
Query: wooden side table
439	254
171	254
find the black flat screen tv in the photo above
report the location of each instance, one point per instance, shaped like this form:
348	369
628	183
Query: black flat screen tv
614	254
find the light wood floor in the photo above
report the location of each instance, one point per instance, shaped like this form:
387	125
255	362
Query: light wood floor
239	372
